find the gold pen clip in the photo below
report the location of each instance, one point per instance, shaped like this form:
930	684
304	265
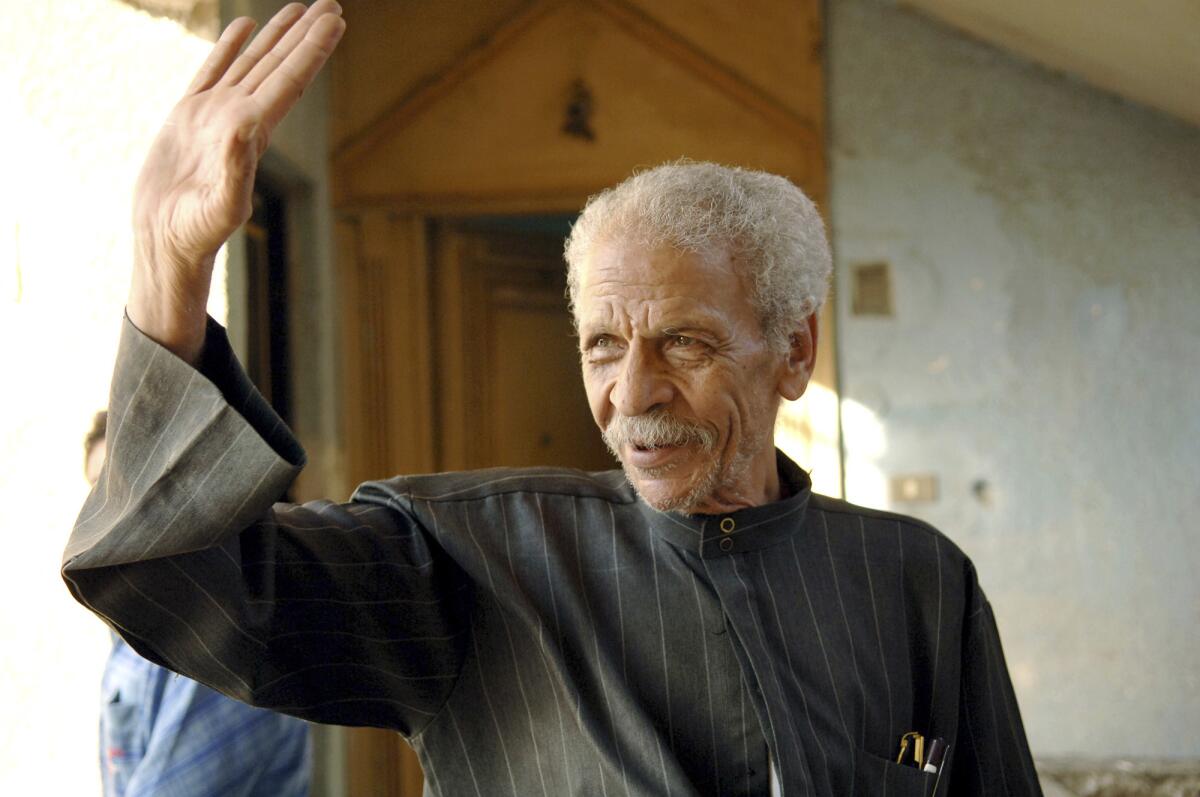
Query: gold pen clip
918	744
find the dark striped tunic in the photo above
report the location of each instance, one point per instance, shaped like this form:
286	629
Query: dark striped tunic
541	632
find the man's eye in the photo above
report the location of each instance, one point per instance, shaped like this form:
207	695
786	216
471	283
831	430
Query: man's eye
685	348
683	342
601	347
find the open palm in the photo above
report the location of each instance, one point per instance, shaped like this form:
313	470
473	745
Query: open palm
196	184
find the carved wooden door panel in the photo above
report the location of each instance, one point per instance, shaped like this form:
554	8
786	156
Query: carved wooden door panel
508	365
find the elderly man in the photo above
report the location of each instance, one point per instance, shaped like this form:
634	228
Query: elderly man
700	623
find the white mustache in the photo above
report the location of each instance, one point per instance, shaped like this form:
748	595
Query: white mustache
654	429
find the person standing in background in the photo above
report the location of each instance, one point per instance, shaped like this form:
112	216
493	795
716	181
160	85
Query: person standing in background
164	734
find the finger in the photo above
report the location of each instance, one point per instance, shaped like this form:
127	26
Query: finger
271	60
267	38
223	53
279	92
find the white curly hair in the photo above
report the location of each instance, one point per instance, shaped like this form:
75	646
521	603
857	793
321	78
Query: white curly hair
764	222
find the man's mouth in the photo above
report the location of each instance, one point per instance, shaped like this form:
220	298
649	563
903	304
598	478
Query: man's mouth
656	442
652	455
653	446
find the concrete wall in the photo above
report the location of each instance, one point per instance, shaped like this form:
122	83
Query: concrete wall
1041	361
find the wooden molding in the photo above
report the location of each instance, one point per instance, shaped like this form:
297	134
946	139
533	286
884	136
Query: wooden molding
411	105
479	204
657	37
387	342
380	764
666	42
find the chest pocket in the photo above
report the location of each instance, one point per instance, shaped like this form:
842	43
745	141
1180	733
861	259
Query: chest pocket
878	776
122	741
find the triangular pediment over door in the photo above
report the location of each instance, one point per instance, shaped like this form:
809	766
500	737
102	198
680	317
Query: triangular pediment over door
446	111
556	100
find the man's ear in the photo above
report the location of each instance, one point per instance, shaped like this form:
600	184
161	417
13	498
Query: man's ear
801	357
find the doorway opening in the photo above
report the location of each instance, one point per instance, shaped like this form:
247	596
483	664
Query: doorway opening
508	383
267	339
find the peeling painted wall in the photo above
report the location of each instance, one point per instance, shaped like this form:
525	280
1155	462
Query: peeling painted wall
1041	361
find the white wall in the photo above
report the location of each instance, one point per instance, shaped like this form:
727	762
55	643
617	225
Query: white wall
1046	343
84	86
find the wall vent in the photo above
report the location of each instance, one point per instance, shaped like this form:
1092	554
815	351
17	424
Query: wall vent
871	285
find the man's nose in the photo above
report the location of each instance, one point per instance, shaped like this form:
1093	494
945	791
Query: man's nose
641	386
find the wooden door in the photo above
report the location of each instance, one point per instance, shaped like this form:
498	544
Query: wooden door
507	371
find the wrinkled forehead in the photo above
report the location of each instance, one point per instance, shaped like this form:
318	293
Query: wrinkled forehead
654	267
666	283
657	259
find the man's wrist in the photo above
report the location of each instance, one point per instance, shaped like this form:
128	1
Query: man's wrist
179	330
168	303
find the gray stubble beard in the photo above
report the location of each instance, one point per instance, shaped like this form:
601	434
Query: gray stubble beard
660	427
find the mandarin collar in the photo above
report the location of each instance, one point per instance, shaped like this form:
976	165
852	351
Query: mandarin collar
749	529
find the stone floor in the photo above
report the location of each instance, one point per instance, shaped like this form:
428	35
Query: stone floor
1077	777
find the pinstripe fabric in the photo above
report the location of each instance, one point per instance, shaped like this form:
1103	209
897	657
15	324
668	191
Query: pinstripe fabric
541	631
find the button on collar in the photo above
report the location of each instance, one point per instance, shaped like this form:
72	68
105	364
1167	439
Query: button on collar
745	530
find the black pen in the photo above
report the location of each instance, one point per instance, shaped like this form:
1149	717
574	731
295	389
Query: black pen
937	752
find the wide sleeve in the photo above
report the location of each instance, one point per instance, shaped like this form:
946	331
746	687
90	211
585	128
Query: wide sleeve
992	755
340	613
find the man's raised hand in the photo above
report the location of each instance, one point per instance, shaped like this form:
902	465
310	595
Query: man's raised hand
196	185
